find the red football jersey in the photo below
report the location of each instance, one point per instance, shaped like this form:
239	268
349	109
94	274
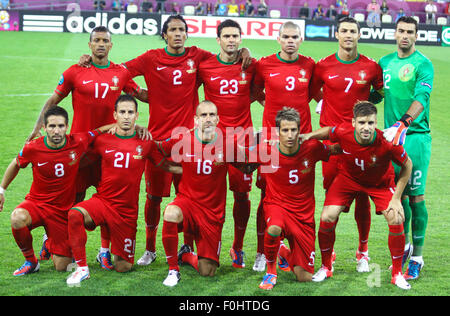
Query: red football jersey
204	171
286	84
291	184
123	162
55	170
94	92
344	83
172	84
369	165
228	87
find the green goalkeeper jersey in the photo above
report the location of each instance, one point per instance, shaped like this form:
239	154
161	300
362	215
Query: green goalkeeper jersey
406	80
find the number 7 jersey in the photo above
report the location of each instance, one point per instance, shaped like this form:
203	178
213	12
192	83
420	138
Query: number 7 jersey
344	83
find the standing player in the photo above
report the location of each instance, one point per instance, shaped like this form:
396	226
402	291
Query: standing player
55	159
289	203
171	73
365	167
286	78
94	91
199	207
408	81
230	88
345	78
115	205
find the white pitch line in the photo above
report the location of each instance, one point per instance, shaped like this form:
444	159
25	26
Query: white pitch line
41	58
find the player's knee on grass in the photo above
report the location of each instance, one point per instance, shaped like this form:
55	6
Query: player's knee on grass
301	274
121	265
207	267
173	214
274	230
20	218
61	263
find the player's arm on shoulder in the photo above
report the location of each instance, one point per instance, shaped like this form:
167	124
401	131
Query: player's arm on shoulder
51	102
244	55
172	167
9	175
257	94
320	134
85	61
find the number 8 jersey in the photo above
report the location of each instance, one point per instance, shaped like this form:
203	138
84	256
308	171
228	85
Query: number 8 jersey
55	169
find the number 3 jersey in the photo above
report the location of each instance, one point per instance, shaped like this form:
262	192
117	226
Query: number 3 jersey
55	169
369	165
123	162
94	93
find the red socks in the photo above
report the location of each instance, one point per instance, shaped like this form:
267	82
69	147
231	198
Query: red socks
241	214
105	237
24	240
271	247
327	236
152	216
396	242
77	237
170	243
363	218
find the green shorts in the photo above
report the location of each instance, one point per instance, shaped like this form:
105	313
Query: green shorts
418	148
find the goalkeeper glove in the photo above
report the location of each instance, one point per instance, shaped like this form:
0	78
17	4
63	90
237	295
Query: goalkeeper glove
397	132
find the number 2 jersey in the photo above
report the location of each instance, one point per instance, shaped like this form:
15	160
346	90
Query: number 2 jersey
344	83
55	169
123	162
172	87
94	93
369	165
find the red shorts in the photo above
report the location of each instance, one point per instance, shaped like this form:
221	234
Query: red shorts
88	174
301	236
239	181
207	233
122	231
329	168
55	224
344	190
158	181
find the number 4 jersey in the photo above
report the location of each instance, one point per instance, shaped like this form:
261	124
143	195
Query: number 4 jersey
369	165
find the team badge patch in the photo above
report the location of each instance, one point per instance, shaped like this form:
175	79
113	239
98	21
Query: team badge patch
362	76
115	81
407	72
61	80
303	75
191	65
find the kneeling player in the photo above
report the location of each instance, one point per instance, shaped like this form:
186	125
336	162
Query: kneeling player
55	159
115	205
365	167
199	207
289	202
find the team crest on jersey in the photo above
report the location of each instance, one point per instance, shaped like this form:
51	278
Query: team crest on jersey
243	77
73	156
406	73
115	81
191	65
373	160
139	152
303	75
219	159
307	166
362	75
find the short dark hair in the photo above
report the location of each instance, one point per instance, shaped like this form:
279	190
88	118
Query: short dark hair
170	19
407	19
347	19
125	98
56	111
228	23
364	108
287	114
99	29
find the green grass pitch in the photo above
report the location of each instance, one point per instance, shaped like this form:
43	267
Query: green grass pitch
30	67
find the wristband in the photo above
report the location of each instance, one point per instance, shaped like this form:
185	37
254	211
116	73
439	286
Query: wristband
2	191
406	119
